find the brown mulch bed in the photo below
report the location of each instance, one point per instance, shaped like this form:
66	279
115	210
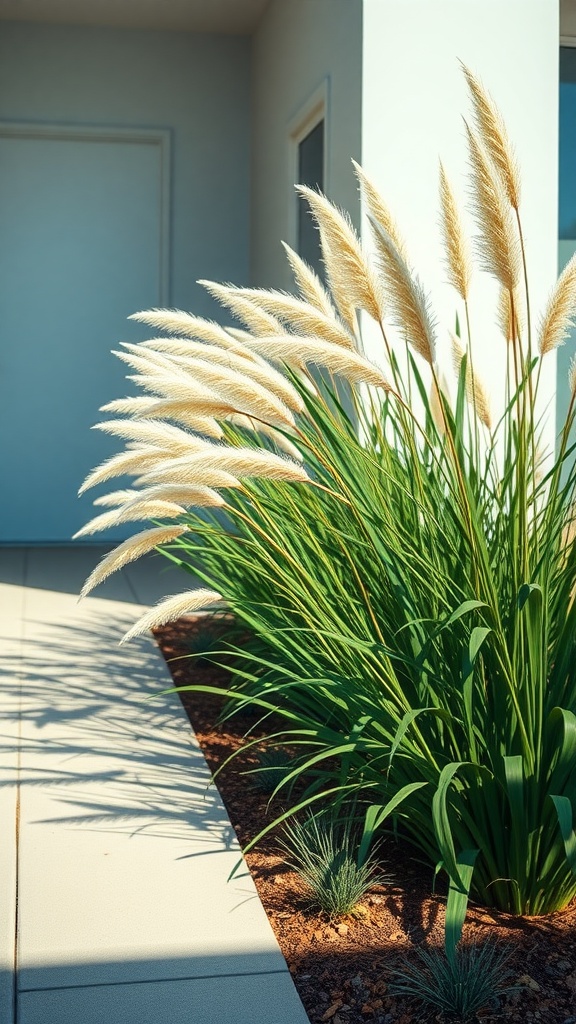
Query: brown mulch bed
342	969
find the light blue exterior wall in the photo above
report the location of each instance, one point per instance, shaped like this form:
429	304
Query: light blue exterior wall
55	347
196	85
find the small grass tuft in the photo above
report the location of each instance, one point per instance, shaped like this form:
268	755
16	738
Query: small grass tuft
274	764
323	851
459	986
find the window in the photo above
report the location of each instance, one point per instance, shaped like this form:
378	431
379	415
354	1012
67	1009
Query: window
566	203
311	173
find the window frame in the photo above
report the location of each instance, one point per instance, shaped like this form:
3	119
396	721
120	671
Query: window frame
308	116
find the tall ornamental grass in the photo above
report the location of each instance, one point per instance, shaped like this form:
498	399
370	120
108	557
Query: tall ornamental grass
408	567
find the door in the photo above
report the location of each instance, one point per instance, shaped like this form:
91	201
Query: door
83	226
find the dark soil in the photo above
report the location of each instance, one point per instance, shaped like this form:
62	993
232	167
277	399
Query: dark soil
342	969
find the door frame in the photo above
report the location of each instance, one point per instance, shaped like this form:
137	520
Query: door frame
160	137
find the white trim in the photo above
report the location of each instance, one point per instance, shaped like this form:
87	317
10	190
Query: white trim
314	110
138	136
568	41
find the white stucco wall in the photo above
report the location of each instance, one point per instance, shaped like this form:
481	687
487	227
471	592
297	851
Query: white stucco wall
196	85
414	97
300	45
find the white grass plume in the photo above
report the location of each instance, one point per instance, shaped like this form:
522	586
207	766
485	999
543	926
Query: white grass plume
188	497
351	279
134	461
408	306
295	351
377	208
155	432
257	369
175	321
458	263
255	427
116	498
171	608
242	392
492	131
183	471
497	246
181	412
560	314
309	284
257	321
201	421
204	382
133	406
239	463
134	512
299	316
246	381
129	551
475	391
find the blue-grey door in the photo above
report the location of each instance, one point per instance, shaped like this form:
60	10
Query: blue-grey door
82	245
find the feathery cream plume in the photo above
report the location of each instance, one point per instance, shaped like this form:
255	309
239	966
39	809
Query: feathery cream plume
257	369
155	432
181	412
475	390
116	498
129	551
188	497
295	351
204	382
182	388
242	392
377	209
247	423
171	608
237	463
132	513
435	403
498	244
458	262
127	406
254	318
184	472
299	316
505	315
352	281
177	322
560	314
492	131
309	284
408	306
133	461
145	360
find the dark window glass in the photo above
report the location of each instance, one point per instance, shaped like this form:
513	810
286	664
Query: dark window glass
567	194
311	173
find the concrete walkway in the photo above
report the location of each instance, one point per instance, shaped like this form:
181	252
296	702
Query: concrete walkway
114	902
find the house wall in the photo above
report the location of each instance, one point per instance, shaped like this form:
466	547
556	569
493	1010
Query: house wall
301	47
414	97
195	85
82	234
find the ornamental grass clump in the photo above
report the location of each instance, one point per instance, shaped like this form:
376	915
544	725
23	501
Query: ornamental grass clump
408	568
474	979
323	850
